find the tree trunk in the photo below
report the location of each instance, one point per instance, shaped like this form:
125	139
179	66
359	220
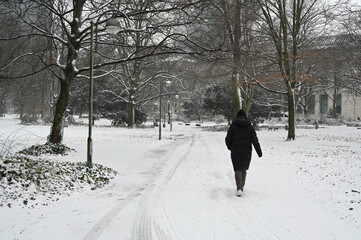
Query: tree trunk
291	116
42	104
234	39
247	98
334	101
131	115
56	134
235	94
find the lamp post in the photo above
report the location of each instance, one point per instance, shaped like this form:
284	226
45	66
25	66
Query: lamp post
169	115
168	83
113	27
173	105
90	114
176	103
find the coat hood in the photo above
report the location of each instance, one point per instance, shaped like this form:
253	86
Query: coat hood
242	122
241	114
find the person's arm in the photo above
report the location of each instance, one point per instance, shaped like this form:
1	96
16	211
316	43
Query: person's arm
229	138
255	143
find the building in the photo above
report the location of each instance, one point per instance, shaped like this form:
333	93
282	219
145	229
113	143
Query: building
346	105
339	97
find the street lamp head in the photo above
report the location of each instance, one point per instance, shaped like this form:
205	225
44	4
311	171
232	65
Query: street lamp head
112	26
168	83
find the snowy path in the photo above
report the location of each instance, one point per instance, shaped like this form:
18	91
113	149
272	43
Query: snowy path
181	190
190	195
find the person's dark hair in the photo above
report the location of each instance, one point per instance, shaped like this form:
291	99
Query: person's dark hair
241	114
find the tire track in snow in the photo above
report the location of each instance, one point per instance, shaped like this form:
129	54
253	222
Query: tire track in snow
177	234
99	227
151	209
143	229
97	230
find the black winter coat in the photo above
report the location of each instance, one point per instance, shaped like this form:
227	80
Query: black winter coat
240	137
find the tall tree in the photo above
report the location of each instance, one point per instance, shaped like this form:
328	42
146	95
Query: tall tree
288	23
231	26
351	25
236	20
70	34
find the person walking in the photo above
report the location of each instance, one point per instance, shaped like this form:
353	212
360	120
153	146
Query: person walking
240	137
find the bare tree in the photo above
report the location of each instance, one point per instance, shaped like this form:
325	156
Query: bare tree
135	77
67	25
351	22
288	24
21	91
231	25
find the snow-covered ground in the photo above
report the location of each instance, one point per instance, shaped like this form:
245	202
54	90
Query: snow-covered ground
182	187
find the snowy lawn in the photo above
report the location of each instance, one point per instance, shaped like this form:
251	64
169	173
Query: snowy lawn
182	187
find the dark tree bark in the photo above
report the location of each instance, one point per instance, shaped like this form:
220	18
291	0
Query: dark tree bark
56	134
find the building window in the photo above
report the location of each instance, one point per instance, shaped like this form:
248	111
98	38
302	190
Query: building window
324	104
311	105
338	104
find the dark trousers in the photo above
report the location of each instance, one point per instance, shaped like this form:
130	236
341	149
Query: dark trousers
240	177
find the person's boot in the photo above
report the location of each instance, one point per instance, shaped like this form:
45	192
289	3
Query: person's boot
243	179
238	178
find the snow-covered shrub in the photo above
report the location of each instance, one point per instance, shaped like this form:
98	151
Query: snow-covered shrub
216	128
216	118
24	180
47	148
28	119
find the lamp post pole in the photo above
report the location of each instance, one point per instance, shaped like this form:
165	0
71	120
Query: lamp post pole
90	114
169	114
176	103
168	83
112	26
160	109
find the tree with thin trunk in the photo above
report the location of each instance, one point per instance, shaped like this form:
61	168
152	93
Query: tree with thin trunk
235	23
232	25
288	23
